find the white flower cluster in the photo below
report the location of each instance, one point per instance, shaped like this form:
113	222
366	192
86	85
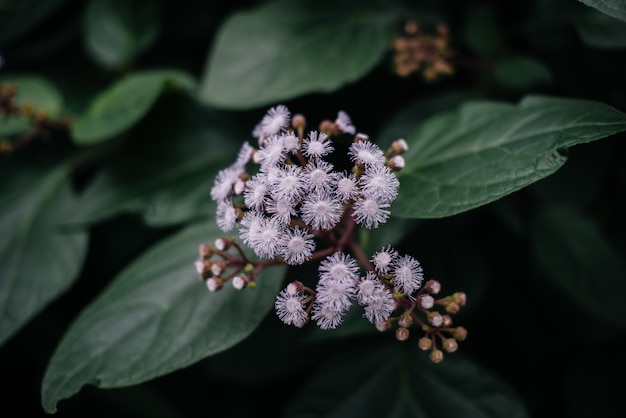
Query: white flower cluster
296	192
296	199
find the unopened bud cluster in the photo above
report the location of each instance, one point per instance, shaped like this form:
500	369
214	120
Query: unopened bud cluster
291	205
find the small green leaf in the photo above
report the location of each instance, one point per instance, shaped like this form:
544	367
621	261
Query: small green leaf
125	103
156	317
481	31
39	260
521	72
35	91
486	150
116	31
284	49
393	380
615	8
601	31
577	258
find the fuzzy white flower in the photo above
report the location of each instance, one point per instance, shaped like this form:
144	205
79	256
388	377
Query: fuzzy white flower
407	274
297	246
344	123
366	152
384	258
334	294
321	211
226	215
346	187
339	266
255	195
250	226
319	176
223	184
289	183
266	242
379	183
380	307
276	119
325	317
281	209
272	152
369	213
316	144
290	307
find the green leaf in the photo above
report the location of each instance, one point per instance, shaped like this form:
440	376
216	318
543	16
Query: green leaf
576	257
125	103
521	72
601	31
481	32
285	49
615	8
35	91
116	31
486	150
39	260
154	318
397	380
172	185
17	17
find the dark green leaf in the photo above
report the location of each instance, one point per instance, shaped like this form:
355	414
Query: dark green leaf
116	31
521	72
577	258
155	317
615	8
17	17
486	150
39	260
37	92
397	381
601	31
174	183
284	49
125	103
481	31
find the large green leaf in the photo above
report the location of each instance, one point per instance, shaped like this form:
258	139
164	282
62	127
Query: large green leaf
577	258
615	8
173	184
521	72
39	260
155	317
397	380
34	91
486	150
125	103
116	31
284	49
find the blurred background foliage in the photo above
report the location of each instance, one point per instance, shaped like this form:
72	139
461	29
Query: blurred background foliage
123	111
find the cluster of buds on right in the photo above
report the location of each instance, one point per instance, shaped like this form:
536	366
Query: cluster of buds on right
296	207
418	52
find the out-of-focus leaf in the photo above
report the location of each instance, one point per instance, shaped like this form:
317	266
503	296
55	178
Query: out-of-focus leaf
284	49
116	31
156	317
39	260
173	184
486	150
577	258
601	31
353	381
36	92
17	17
521	72
615	8
125	103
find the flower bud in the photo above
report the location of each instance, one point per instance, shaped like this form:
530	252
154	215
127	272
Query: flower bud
447	321
399	146
459	298
435	319
405	320
240	281
222	243
218	267
402	334
361	137
460	333
295	288
396	163
201	266
298	121
383	326
215	283
436	356
452	308
205	250
433	287
450	345
425	344
426	301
